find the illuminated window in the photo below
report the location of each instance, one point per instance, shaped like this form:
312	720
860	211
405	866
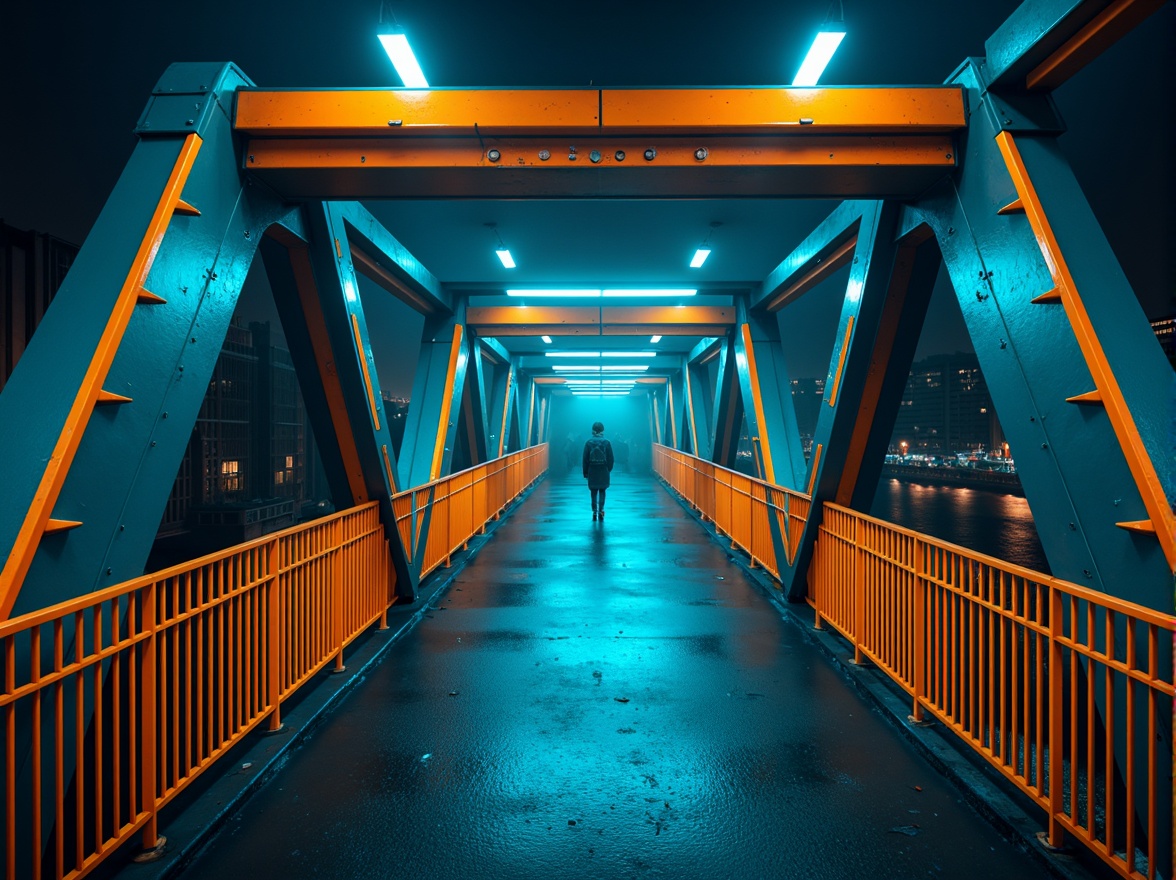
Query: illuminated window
289	461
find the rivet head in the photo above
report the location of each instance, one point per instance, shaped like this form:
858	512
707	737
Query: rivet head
700	154
544	155
493	155
619	155
650	154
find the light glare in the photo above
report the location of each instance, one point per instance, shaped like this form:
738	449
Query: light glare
507	260
819	55
546	339
699	258
654	340
650	292
572	354
585	293
402	58
580	368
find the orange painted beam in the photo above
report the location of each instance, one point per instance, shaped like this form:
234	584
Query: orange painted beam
400	113
606	321
845	142
879	110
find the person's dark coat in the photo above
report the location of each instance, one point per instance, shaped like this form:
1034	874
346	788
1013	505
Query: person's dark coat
597	473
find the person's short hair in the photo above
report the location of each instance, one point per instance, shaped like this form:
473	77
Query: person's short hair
597	427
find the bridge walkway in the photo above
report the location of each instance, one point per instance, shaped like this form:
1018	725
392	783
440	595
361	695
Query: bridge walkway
607	700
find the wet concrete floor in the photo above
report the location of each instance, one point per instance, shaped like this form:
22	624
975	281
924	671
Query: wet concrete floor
607	700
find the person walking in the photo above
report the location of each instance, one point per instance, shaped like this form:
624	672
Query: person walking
597	462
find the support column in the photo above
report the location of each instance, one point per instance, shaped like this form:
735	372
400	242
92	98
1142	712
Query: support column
333	312
698	415
427	452
728	407
767	398
97	415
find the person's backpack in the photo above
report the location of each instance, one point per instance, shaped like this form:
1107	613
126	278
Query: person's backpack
596	454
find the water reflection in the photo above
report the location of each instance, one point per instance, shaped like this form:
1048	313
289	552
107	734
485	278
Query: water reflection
989	522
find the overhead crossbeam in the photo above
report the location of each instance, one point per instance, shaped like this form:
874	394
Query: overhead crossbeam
594	321
657	143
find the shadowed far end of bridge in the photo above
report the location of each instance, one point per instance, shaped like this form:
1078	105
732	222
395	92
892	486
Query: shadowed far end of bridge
604	700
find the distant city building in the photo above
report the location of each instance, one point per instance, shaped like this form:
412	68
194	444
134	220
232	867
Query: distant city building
806	399
251	447
32	267
1165	330
946	408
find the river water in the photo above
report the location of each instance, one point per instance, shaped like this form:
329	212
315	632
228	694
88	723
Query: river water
979	519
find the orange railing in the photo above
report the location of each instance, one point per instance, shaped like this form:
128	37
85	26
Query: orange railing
446	513
739	506
113	703
1021	666
1066	691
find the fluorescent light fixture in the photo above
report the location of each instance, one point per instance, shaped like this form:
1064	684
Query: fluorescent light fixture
579	368
507	260
629	354
572	354
546	339
400	53
818	56
626	383
600	394
650	292
699	258
654	340
585	293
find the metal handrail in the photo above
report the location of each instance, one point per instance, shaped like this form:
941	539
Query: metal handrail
113	703
1034	673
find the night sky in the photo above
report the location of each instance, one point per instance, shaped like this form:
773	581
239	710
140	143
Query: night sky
78	76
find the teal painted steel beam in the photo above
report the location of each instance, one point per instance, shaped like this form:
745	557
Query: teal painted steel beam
124	458
699	402
837	441
501	404
704	347
341	311
1037	29
727	411
1072	465
387	262
435	406
767	399
833	232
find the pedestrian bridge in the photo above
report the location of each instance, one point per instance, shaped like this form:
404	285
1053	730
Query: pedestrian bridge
124	692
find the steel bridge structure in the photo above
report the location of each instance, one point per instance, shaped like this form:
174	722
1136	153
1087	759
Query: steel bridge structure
967	175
